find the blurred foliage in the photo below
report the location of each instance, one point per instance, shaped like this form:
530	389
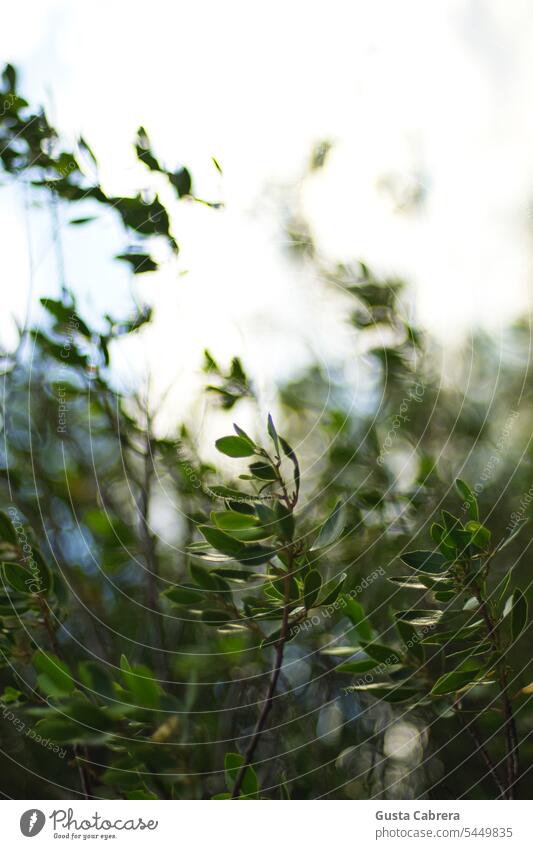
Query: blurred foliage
136	667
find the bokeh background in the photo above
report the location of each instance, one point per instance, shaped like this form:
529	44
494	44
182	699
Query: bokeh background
398	135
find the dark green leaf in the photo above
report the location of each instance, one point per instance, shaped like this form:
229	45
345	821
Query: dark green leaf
182	182
96	678
421	618
312	587
54	678
272	432
355	613
141	683
481	536
410	639
234	446
263	471
331	589
183	595
357	667
291	454
140	263
255	555
383	654
216	617
426	561
7	531
221	541
520	524
232	765
202	577
331	529
468	498
453	681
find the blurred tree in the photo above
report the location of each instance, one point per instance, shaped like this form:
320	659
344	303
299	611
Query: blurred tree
133	667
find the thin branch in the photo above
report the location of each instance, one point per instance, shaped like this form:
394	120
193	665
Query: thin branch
267	704
480	747
511	736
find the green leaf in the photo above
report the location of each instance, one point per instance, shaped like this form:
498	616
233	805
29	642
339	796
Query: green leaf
521	523
42	580
453	681
61	730
236	574
83	722
331	589
221	541
234	446
263	471
242	433
331	529
18	578
230	521
355	613
481	535
468	498
503	585
291	454
141	683
412	582
421	618
96	678
55	678
426	561
216	617
469	632
381	653
202	577
284	521
454	531
410	639
183	595
255	555
232	765
140	262
445	595
182	182
357	667
518	613
312	587
7	531
272	432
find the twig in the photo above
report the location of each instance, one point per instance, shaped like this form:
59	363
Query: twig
511	736
480	746
267	704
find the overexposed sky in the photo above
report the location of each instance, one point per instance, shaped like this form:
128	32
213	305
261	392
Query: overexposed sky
418	99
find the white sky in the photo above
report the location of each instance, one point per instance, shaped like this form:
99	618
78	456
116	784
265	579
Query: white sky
438	93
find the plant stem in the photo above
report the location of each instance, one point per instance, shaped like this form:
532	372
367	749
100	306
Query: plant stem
511	736
267	704
480	746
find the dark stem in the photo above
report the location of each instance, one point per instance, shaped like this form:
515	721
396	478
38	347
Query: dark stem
511	736
267	704
480	747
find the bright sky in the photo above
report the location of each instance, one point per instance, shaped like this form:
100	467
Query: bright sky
416	95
